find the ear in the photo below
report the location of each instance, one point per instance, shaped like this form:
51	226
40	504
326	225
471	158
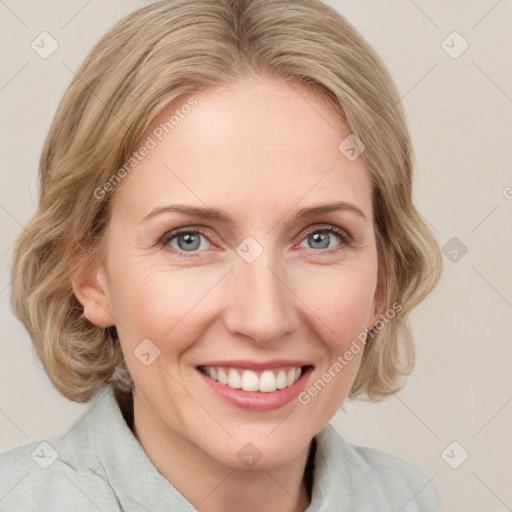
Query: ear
90	287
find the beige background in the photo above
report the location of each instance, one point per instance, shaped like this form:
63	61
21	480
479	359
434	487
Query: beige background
460	114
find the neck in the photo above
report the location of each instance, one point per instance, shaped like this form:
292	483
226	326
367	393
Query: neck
211	486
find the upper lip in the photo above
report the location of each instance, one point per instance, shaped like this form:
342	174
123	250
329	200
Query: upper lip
245	364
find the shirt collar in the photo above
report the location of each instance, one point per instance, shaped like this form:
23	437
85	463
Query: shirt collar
132	475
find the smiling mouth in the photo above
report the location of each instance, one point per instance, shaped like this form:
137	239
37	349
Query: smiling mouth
265	381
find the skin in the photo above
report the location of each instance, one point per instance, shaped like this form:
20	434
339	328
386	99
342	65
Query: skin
260	151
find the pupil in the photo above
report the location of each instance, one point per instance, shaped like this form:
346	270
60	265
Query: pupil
321	237
190	239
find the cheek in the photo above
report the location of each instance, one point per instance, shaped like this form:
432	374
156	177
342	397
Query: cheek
160	304
156	309
342	300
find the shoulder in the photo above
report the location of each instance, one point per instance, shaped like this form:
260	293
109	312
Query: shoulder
58	473
389	479
400	478
15	481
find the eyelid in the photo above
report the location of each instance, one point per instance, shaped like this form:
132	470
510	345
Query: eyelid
342	233
169	235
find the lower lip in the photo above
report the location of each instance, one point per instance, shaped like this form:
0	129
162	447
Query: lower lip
258	400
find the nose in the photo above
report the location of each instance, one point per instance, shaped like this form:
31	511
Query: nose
260	303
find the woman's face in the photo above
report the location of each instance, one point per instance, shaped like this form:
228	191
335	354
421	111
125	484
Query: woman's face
264	287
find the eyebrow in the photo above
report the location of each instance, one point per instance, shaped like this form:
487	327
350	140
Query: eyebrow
223	216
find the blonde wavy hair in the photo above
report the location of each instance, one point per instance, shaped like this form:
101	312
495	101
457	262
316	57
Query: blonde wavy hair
149	59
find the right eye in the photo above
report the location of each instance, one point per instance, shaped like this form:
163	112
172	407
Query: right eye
186	240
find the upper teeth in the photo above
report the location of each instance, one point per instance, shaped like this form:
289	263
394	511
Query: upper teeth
248	380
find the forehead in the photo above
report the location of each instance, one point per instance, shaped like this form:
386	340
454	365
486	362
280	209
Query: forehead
252	144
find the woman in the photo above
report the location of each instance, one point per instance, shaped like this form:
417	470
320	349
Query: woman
225	248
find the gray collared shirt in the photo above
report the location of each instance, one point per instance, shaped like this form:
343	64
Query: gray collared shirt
99	465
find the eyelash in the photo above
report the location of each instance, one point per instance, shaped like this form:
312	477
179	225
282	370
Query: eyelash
346	238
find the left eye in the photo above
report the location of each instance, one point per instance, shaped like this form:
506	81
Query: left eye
320	238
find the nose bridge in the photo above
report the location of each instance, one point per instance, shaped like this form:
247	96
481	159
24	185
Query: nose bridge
261	305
